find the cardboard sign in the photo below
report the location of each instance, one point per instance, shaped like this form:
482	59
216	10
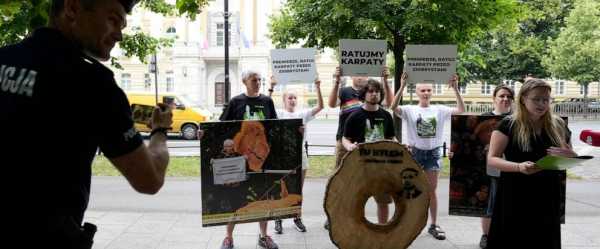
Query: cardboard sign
269	185
430	63
294	66
470	188
362	57
229	170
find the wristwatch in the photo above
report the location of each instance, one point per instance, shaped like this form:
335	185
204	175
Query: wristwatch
159	130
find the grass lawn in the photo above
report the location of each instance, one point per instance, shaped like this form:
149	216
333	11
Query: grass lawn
320	166
178	166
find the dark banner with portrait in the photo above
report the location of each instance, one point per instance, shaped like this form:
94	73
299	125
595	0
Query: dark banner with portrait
470	178
250	171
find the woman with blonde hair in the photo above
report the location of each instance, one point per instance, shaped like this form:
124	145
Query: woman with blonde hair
290	101
528	200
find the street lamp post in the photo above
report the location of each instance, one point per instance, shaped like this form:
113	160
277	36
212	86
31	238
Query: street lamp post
226	24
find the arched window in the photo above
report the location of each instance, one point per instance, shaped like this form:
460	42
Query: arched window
171	30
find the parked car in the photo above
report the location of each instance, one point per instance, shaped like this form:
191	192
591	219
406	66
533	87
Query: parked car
186	116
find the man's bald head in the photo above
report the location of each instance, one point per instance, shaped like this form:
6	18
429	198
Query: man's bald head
424	92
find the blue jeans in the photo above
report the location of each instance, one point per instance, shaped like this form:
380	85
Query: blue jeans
428	159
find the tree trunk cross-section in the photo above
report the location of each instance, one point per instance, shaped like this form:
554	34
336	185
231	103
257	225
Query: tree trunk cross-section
383	167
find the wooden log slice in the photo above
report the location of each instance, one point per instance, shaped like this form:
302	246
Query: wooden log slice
373	169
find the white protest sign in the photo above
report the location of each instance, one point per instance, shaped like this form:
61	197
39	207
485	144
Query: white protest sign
229	170
294	66
362	57
430	63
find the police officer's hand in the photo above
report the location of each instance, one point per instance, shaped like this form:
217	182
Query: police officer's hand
162	117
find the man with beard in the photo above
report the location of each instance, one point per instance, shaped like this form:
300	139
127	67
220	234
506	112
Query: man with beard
368	124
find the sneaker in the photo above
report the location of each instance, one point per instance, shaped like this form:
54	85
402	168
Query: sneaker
227	243
483	241
267	243
278	227
299	226
437	232
326	226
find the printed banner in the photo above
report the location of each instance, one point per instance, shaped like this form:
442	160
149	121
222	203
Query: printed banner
469	182
362	57
430	63
294	66
250	171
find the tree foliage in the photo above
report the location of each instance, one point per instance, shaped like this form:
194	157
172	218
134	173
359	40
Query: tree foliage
512	52
575	53
322	23
19	18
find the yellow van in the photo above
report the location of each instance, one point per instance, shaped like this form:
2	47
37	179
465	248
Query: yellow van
186	116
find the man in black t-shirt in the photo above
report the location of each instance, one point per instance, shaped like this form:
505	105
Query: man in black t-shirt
250	105
368	124
348	101
50	82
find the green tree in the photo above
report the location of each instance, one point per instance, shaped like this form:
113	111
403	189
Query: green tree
511	52
575	54
19	18
321	23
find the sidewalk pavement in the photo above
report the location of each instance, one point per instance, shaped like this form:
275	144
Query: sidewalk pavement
183	230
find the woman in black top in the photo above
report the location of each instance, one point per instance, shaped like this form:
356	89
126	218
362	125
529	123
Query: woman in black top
503	97
527	209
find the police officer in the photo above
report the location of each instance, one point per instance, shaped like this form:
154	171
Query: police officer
58	105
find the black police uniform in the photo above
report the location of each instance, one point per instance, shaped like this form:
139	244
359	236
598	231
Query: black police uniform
57	107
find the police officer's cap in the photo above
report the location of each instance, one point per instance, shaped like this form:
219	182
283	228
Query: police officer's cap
128	4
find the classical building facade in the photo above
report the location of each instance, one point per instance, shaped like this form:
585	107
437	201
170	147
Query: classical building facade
194	66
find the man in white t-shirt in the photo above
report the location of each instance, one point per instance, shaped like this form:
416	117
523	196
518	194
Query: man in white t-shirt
425	128
290	100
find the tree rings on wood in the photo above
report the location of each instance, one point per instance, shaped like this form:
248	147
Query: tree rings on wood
383	167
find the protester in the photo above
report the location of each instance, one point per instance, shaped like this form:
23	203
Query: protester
528	200
502	98
347	99
289	112
425	127
53	80
250	105
368	124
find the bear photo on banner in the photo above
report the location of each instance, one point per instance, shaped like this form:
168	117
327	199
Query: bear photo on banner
469	180
250	171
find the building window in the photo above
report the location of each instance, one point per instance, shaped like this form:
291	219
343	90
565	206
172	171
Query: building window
311	88
486	88
125	81
583	90
171	30
219	93
438	88
221	34
147	82
510	83
559	87
220	90
412	88
463	89
170	81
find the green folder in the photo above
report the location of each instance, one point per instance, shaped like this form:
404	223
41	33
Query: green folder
561	163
